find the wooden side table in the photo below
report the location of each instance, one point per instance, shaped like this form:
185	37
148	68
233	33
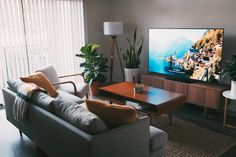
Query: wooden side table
227	94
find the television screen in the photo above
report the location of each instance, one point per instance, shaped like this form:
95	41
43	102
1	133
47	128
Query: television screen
186	53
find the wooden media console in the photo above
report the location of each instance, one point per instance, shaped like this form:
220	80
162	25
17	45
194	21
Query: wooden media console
202	94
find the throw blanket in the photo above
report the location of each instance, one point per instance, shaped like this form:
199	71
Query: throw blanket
22	100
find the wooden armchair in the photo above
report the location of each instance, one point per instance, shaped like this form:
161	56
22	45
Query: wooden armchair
79	89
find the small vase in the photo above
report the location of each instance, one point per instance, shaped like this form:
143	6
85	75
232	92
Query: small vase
233	87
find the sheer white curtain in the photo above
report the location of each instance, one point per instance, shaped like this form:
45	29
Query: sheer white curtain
13	56
35	33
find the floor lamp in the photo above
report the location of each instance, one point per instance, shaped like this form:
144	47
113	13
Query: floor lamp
113	29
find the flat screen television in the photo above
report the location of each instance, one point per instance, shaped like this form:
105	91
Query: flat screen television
190	54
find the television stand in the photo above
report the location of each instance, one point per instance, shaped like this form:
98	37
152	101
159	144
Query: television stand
179	79
202	94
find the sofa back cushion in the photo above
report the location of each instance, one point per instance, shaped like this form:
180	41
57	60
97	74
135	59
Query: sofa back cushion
112	114
42	81
69	97
43	100
14	85
79	116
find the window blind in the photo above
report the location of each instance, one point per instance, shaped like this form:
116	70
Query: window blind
35	33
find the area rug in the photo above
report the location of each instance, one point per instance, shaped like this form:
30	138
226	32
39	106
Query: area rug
188	139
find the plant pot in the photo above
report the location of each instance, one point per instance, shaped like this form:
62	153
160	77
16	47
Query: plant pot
233	87
132	75
94	88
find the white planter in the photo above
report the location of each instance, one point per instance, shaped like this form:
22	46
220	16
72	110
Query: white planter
132	73
233	87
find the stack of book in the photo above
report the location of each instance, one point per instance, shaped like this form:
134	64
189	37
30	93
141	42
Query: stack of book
137	106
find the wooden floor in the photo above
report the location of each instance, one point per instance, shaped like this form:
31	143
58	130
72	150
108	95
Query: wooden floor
13	145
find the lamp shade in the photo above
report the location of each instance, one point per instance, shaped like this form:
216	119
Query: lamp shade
113	28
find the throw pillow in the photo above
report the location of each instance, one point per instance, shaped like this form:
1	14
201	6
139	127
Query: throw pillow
42	81
79	116
112	114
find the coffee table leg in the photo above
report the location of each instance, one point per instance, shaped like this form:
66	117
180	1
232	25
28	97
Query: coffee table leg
170	118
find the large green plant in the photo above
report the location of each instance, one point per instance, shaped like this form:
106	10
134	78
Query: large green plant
230	68
132	55
94	63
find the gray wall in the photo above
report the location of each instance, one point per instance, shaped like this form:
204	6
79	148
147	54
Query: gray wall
176	13
158	14
96	12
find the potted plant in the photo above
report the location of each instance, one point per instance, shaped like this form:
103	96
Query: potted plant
230	70
94	67
132	58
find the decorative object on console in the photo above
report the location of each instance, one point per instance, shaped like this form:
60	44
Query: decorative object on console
132	58
230	70
94	67
113	29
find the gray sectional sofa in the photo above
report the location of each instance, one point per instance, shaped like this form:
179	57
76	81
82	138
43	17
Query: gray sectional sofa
59	138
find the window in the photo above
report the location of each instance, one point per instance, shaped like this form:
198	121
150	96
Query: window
34	33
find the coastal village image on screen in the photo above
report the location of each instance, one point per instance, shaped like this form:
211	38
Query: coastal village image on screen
186	53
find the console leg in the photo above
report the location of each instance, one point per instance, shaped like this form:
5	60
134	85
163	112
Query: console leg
170	118
205	112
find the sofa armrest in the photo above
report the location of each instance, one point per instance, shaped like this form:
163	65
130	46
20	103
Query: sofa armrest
67	82
72	75
126	141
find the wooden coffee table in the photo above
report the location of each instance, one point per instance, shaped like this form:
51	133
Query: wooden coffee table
160	101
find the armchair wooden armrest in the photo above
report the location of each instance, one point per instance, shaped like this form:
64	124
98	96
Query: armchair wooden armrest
66	82
81	74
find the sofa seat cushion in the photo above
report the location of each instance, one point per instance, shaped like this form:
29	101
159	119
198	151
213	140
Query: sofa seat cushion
82	89
158	138
69	97
79	116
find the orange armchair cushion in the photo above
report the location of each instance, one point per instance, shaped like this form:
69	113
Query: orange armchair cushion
112	113
42	81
